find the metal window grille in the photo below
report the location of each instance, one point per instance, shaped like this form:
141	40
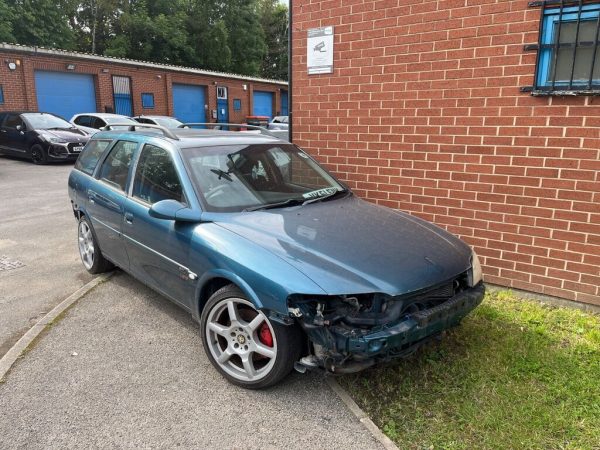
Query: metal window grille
567	52
237	104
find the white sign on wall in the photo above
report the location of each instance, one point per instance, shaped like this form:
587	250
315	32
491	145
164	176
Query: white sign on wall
320	50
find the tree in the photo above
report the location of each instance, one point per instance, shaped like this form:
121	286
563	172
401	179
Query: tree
246	37
6	18
42	23
274	22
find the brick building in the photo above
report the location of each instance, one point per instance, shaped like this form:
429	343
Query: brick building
478	115
67	83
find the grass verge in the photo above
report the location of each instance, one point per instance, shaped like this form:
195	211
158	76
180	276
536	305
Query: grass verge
515	374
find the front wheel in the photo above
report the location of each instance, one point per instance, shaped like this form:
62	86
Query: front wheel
242	343
38	156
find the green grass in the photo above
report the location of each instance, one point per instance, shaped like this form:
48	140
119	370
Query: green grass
515	374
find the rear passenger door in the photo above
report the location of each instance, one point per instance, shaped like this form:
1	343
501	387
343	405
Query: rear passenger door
158	249
106	200
12	134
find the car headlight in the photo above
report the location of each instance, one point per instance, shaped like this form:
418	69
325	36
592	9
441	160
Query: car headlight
52	139
476	272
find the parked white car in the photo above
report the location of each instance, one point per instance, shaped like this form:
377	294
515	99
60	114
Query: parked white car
92	122
163	121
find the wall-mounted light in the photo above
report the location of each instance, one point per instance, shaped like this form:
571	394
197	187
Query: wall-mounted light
158	77
70	66
12	66
103	70
245	87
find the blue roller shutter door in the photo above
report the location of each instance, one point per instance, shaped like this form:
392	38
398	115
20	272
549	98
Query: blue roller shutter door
188	103
263	104
65	94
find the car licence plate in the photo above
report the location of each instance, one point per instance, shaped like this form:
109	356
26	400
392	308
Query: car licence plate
77	149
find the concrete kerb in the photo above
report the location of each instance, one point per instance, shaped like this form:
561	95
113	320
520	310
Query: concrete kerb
385	441
9	359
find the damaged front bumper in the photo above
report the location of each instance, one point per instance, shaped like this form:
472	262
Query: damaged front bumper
343	348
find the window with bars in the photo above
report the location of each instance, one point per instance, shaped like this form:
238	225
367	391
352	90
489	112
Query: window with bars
1	94
568	58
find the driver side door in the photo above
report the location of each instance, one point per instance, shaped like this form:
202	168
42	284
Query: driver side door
12	135
158	249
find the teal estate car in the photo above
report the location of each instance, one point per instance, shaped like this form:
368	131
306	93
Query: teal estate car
282	265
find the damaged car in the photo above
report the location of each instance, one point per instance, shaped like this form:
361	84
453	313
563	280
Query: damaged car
281	264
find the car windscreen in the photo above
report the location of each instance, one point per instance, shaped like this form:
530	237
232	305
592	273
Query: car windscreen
238	177
46	121
119	120
167	122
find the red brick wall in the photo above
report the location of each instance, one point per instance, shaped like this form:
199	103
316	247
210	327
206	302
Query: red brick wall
19	85
424	113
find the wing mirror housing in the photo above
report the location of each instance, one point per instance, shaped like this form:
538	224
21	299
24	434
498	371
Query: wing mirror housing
173	210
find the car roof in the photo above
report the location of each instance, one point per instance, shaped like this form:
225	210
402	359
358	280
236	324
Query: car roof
153	117
193	138
101	115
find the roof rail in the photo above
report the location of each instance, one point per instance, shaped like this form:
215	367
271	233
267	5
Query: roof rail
168	133
262	130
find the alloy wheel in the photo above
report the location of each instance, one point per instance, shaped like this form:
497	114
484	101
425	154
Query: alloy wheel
86	245
241	339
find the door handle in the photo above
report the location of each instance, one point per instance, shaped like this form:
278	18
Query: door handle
3	131
92	197
129	218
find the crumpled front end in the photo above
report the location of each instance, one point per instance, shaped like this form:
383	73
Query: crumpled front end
352	332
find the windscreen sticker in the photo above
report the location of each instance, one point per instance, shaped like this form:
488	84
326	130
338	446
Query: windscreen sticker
320	193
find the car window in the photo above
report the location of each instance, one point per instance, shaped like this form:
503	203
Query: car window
115	167
90	155
142	120
156	177
13	120
97	122
85	121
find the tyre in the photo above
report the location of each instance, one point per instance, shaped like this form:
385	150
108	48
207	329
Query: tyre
90	253
38	156
247	348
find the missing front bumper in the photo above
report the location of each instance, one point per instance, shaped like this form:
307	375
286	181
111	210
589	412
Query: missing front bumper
342	349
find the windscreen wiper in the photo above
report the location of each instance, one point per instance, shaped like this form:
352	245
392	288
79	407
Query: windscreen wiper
222	174
325	197
288	202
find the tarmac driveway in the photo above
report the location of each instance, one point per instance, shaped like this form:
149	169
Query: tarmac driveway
125	368
37	230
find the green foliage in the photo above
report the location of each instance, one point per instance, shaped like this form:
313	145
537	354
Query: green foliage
6	20
515	374
274	21
241	36
42	23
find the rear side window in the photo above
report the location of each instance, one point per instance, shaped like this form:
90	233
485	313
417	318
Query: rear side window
115	167
156	178
97	122
84	121
88	159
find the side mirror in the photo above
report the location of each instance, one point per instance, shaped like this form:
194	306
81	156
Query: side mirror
173	210
20	127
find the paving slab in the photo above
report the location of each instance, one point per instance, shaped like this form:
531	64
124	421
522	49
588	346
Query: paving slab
125	368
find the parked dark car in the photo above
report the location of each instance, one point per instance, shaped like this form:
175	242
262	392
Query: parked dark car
41	137
282	265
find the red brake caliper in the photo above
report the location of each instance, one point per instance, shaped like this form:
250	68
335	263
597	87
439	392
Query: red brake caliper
265	336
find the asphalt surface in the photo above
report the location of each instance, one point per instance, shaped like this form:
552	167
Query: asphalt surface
125	368
37	229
